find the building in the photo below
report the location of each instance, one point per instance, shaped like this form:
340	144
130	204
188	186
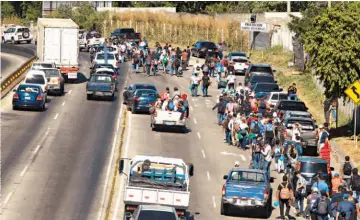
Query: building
50	6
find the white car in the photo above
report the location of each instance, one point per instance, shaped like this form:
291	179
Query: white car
42	65
111	59
275	97
16	35
37	77
168	119
155	212
241	62
89	39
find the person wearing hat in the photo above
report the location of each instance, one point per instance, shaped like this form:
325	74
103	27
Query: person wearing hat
345	208
237	164
176	92
321	184
310	201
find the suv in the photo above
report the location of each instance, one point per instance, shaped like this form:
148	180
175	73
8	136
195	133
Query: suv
201	48
311	167
16	35
258	69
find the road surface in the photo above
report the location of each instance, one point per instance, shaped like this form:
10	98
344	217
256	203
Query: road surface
10	63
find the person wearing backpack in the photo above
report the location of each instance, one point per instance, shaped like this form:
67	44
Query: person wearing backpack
355	182
300	194
262	106
284	196
269	132
205	84
346	170
221	107
310	201
147	65
322	206
177	64
212	67
345	208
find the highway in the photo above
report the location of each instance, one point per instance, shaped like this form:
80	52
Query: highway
54	162
10	63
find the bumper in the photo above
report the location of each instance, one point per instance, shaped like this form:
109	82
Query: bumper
239	71
82	46
100	94
173	124
243	204
54	88
142	107
27	104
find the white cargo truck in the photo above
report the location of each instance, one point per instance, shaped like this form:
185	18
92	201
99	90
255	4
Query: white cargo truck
57	41
157	180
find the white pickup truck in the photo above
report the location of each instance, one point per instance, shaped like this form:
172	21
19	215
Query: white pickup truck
89	39
170	119
156	180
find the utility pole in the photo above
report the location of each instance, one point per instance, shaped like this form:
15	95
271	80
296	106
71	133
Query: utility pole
288	7
329	4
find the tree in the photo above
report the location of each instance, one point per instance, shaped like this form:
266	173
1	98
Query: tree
31	10
333	43
7	10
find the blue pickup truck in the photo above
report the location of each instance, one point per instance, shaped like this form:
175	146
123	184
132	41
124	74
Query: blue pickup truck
102	86
247	189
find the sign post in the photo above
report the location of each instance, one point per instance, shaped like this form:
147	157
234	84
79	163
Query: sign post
353	92
247	26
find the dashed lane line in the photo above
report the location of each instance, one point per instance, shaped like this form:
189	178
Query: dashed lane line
36	149
203	153
198	134
243	157
208	175
24	170
56	116
214	203
8	197
63	103
70	91
195	120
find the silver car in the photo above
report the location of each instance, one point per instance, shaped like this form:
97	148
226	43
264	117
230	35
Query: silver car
158	212
56	83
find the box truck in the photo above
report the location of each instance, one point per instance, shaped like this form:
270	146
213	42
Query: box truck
57	42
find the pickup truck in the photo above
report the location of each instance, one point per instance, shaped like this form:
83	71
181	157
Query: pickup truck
100	85
156	180
89	39
168	119
122	34
247	189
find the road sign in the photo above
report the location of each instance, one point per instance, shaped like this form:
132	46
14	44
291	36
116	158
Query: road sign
247	26
354	92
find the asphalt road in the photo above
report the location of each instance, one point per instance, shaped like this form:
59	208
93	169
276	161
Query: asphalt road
10	63
54	162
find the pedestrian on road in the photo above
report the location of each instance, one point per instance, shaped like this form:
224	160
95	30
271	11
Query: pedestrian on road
205	84
323	137
321	184
221	107
345	208
311	200
266	152
300	193
336	181
284	195
326	104
194	84
322	206
346	170
355	182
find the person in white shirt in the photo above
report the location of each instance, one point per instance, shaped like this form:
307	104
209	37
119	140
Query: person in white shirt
266	152
296	130
231	81
194	83
197	67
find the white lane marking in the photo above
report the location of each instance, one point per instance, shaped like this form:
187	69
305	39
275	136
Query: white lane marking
24	170
195	105
125	156
195	120
70	91
208	175
63	103
56	116
8	198
243	157
199	136
191	108
36	149
214	203
203	153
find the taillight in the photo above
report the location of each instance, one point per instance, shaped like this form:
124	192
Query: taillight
266	194
247	64
298	166
137	99
125	36
88	42
223	191
59	80
111	88
38	98
16	96
317	133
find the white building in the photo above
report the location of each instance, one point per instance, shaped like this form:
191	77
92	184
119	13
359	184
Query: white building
50	6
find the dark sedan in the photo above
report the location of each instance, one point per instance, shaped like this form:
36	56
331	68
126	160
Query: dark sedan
129	91
141	100
203	48
29	96
262	78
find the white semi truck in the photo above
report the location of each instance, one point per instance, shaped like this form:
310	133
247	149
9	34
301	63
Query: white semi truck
156	180
57	42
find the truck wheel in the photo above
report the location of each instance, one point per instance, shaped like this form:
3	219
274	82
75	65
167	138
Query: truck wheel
88	97
13	40
112	98
28	41
2	40
223	209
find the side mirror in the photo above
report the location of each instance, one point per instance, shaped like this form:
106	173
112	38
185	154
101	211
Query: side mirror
225	177
271	180
128	215
332	168
306	108
191	169
121	166
90	68
281	89
274	71
275	81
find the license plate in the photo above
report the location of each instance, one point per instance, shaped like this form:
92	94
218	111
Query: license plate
72	75
20	37
209	50
27	98
99	93
169	123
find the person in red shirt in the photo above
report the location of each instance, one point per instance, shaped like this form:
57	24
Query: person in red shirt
325	152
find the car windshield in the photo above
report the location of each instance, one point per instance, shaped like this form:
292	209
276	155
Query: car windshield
110	49
35	79
29	89
238	55
209	45
306	125
295	106
145	86
266	87
105	72
247	176
262	79
313	167
51	72
100	79
42	65
101	56
126	30
91	35
239	59
158	215
146	93
97	66
262	69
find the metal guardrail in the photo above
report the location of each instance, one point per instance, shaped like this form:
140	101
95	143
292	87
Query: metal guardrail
9	83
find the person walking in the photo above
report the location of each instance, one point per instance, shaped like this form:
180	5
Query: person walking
310	201
266	152
284	196
221	107
205	84
355	182
336	181
346	170
194	83
300	194
322	206
345	208
147	65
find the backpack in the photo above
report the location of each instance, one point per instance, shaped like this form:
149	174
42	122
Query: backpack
198	68
205	68
177	62
355	182
222	107
322	207
262	104
247	106
313	199
136	59
256	128
165	60
347	169
142	53
171	106
277	151
285	192
269	130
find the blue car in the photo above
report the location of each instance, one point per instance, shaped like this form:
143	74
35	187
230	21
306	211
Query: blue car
29	96
247	189
141	100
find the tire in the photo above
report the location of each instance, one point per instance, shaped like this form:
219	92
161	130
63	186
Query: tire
2	40
88	97
267	210
13	40
28	41
223	209
14	107
62	91
42	108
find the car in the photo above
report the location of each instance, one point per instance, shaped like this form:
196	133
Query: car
89	39
17	35
260	78
241	61
311	167
132	88
266	88
55	81
247	189
201	48
30	96
258	69
41	65
308	132
274	97
121	34
289	105
110	72
141	100
300	114
111	59
97	66
158	212
102	86
37	77
111	49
